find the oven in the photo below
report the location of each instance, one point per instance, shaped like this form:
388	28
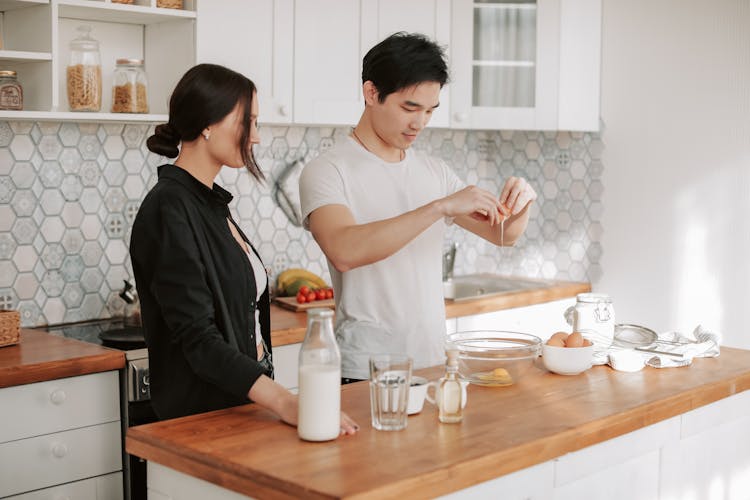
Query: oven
135	394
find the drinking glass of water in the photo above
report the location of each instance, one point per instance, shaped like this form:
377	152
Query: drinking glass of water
390	377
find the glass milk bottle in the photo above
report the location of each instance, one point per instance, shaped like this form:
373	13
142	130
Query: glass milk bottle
450	391
319	379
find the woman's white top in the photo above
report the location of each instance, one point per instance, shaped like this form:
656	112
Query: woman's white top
261	283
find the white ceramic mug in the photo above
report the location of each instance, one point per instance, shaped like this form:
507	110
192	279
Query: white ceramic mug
434	384
417	393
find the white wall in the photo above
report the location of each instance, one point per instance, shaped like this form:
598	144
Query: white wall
676	110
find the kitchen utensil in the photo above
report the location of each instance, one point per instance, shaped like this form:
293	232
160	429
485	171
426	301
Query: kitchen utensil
567	360
286	192
628	335
656	351
127	338
494	357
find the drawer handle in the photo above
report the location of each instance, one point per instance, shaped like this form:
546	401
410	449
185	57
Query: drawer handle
58	396
59	450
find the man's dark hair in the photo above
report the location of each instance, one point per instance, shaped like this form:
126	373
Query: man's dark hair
204	96
403	60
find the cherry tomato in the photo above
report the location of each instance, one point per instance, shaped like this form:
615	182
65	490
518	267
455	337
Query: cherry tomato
331	290
303	290
320	294
310	296
329	293
301	298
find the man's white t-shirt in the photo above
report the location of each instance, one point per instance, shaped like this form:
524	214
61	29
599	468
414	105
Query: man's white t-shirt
396	304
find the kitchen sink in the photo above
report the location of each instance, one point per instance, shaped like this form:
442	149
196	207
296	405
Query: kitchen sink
473	286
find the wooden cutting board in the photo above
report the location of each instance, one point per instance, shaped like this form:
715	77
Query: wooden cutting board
292	304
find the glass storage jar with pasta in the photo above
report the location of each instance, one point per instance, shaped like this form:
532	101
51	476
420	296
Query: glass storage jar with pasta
84	74
129	87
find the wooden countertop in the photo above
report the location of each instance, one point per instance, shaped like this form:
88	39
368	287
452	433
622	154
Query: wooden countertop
543	416
41	356
288	327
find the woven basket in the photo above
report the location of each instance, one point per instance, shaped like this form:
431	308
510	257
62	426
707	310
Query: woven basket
169	4
10	327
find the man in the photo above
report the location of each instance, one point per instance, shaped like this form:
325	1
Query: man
378	211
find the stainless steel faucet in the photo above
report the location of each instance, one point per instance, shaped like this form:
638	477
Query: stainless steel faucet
449	259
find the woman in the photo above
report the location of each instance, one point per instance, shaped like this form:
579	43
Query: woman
202	286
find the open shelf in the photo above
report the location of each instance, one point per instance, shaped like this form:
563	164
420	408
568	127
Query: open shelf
69	116
6	5
89	10
22	56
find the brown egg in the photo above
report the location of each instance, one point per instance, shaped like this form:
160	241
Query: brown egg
556	342
586	342
560	335
575	339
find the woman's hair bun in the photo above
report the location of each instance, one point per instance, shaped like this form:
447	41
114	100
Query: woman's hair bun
165	140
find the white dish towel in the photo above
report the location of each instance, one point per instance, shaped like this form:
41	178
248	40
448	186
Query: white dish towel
701	343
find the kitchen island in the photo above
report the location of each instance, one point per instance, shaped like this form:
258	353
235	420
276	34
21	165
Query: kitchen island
670	433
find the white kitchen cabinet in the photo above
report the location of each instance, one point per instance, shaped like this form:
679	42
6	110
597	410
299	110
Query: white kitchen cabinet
106	487
541	320
526	64
428	17
286	365
36	37
332	36
256	39
330	39
60	431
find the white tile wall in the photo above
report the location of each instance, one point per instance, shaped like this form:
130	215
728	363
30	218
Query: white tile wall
69	193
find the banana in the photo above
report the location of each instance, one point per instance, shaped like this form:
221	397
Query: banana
289	276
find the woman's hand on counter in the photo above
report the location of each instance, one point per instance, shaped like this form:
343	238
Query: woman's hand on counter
348	425
283	403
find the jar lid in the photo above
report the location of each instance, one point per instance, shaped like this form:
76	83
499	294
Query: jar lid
84	40
7	72
129	62
320	312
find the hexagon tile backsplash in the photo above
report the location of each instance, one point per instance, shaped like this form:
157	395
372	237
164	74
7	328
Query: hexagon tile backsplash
69	193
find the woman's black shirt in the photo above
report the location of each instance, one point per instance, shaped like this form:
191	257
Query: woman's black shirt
197	293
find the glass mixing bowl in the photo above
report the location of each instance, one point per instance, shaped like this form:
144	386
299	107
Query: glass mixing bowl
494	358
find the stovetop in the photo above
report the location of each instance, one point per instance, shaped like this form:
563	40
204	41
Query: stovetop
88	331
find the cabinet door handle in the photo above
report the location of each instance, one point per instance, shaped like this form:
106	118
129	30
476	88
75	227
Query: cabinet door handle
59	450
460	116
58	397
283	110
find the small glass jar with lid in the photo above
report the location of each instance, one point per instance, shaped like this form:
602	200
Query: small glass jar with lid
129	86
84	73
11	92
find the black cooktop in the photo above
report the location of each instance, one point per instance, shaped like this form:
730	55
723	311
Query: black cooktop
91	331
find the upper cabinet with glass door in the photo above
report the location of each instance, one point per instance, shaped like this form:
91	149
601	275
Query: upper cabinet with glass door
526	64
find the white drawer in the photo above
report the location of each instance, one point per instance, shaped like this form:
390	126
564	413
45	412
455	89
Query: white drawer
44	461
108	487
57	405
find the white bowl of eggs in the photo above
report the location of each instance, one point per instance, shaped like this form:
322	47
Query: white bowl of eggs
567	354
